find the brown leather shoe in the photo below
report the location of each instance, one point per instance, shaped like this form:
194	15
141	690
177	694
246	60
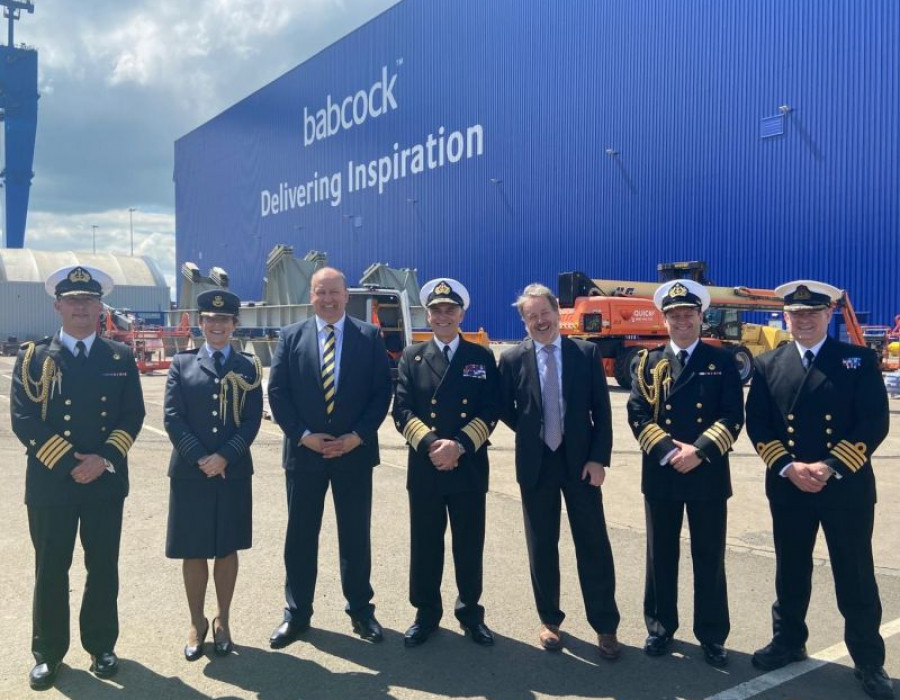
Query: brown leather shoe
609	647
549	637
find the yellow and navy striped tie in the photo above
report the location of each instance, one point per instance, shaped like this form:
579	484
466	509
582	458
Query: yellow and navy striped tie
328	369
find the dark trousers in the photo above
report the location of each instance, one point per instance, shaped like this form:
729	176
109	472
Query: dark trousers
351	489
53	530
707	521
541	506
428	513
848	534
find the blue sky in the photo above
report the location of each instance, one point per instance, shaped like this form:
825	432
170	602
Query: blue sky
121	80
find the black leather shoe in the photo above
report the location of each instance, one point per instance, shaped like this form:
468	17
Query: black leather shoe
657	644
715	654
105	665
479	633
192	652
775	655
875	682
43	674
287	633
368	629
418	634
221	648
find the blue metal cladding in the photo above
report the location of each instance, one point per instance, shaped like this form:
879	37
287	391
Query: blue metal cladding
614	135
18	99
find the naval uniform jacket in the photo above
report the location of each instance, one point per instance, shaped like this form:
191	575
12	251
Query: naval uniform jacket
460	402
837	412
703	406
60	407
199	413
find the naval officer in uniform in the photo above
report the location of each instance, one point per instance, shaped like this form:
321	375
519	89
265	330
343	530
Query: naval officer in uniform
816	412
686	409
77	407
446	405
213	410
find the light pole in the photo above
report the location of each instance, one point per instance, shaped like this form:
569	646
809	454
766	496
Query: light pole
131	226
94	238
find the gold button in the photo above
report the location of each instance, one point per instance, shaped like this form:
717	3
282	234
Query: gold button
828	431
465	401
433	401
699	405
67	417
827	416
103	398
215	430
68	402
668	421
828	445
433	414
790	428
790	443
462	415
215	413
215	396
67	432
668	407
103	413
790	416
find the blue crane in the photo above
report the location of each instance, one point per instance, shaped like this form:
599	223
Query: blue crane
18	110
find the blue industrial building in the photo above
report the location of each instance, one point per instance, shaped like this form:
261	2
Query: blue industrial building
504	142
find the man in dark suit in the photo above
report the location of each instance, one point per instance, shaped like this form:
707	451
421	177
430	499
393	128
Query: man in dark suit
446	406
329	390
77	406
556	400
686	409
816	412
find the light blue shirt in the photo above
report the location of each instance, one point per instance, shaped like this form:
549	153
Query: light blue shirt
69	342
542	370
322	336
453	344
226	351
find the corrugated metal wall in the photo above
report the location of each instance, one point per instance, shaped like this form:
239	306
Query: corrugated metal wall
678	91
28	313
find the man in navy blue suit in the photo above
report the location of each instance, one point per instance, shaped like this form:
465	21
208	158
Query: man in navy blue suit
329	390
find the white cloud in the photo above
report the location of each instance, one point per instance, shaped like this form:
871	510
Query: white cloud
121	81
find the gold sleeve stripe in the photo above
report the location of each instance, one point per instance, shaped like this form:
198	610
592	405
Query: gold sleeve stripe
52	451
414	431
721	436
478	432
853	456
771	452
121	440
651	436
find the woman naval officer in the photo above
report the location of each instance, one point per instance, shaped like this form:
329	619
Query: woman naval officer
213	409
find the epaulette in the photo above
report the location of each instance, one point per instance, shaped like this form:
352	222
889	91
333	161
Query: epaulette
189	351
247	354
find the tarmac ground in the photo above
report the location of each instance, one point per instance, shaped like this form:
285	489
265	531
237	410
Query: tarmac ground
330	662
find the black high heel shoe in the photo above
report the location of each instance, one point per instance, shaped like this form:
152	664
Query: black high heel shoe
194	652
221	648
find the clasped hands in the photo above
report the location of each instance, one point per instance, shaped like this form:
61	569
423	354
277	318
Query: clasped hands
330	446
212	465
810	477
686	458
444	454
90	468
